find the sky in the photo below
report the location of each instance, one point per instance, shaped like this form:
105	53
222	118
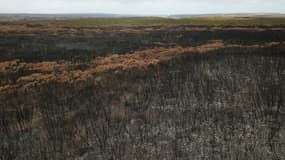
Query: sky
142	7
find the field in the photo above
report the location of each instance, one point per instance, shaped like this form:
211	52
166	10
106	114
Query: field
143	88
156	21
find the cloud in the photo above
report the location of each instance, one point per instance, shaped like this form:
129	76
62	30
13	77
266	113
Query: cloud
141	6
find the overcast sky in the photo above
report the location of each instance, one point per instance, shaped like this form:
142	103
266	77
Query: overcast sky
144	7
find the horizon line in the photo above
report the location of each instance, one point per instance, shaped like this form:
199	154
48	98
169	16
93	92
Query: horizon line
109	13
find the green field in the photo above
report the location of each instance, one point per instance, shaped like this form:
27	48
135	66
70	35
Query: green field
147	21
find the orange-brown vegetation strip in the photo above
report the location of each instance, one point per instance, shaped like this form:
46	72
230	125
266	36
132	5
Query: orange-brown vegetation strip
50	66
8	65
65	72
47	66
148	57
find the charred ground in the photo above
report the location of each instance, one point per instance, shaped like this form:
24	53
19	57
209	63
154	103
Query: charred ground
162	90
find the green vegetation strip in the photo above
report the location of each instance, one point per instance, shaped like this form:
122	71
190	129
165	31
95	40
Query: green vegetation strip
150	21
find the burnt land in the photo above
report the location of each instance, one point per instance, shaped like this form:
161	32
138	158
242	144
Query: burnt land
165	90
